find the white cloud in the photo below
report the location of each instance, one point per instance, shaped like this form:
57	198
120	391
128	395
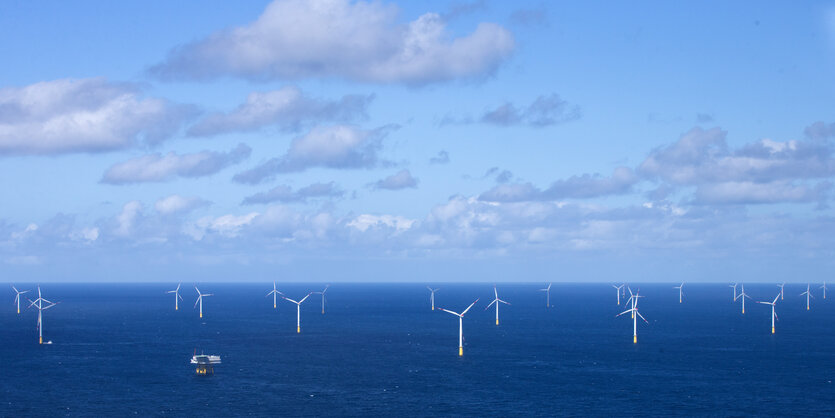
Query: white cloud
366	221
363	41
401	180
85	115
157	167
174	204
127	219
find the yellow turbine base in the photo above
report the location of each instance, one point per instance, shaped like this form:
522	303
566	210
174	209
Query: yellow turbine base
40	340
634	339
433	308
323	311
460	351
743	311
298	330
201	314
772	330
497	322
18	311
176	308
273	305
807	308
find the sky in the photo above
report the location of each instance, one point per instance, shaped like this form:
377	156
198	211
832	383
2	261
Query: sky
490	141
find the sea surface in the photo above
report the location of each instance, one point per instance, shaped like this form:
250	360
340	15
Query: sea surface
122	349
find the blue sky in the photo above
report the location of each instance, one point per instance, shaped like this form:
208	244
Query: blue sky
416	141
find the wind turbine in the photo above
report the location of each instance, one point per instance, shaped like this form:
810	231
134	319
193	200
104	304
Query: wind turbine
679	291
635	315
824	289
547	291
298	310
432	296
176	293
460	326
781	289
323	297
496	301
17	297
200	299
274	292
617	291
633	299
39	304
773	312
808	295
734	286
742	295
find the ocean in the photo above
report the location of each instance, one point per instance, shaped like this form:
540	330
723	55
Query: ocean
122	349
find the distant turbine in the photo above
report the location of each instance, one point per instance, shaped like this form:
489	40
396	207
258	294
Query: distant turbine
39	304
496	301
17	297
734	286
199	300
635	315
679	291
773	312
633	299
176	293
274	292
824	289
547	291
808	295
742	295
298	310
323	297
460	326
432	296
781	289
618	289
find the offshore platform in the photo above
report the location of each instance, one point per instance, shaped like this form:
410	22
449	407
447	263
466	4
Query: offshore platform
205	364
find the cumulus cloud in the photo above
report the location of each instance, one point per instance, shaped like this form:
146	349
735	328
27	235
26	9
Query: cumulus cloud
285	194
401	180
820	130
286	108
157	167
363	42
575	187
83	115
441	158
543	111
127	219
339	147
175	204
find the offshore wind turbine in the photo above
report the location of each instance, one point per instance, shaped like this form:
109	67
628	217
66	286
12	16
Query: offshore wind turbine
298	311
618	289
199	300
323	297
17	297
808	295
547	291
176	293
742	295
679	290
432	296
635	315
496	301
781	286
773	312
39	304
734	286
460	326
274	292
824	289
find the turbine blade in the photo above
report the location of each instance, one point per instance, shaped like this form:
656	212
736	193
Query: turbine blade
468	307
491	304
642	317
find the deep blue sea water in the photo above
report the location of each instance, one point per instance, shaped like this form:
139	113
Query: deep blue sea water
121	349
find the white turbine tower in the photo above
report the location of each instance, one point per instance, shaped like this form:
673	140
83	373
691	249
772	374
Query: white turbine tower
298	311
635	315
742	295
17	297
432	296
200	297
460	326
39	304
547	291
824	289
617	291
781	286
323	297
679	290
176	293
808	295
274	292
496	301
773	312
734	286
